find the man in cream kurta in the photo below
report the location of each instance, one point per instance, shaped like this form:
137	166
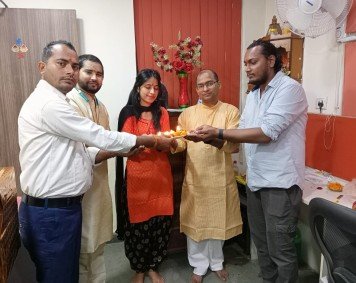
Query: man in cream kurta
97	225
210	207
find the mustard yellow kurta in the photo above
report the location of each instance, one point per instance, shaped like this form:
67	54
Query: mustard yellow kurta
210	205
97	226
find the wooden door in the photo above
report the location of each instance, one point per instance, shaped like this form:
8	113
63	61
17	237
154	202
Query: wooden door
21	29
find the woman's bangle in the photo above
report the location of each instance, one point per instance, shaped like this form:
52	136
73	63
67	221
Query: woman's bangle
155	143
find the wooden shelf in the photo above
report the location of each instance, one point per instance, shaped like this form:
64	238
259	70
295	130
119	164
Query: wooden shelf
293	45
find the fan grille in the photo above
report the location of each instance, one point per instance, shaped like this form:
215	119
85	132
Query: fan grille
321	22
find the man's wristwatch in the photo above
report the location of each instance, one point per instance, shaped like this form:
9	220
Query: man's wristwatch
221	134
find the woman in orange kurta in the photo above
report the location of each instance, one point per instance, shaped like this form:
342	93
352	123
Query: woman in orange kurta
147	195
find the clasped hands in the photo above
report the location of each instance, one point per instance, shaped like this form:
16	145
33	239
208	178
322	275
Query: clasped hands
162	143
203	133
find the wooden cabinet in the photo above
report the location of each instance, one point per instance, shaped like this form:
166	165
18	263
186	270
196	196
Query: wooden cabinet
177	240
9	223
290	47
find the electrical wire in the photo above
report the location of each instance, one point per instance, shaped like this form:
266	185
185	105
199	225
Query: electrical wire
4	3
329	128
339	78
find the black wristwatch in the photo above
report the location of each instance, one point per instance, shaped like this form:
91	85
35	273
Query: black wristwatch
221	134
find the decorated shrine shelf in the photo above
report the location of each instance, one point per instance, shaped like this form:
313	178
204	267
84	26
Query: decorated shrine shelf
9	227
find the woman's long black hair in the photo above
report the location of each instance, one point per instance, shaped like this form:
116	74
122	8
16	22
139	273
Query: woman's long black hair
134	98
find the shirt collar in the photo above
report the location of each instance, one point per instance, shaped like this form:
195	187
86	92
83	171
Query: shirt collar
42	84
274	82
84	97
211	107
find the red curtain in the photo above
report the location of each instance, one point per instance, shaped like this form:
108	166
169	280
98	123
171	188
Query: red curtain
217	22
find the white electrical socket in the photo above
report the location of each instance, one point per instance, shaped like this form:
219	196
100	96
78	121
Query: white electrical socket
324	100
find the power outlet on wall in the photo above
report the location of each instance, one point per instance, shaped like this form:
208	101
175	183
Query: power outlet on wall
321	103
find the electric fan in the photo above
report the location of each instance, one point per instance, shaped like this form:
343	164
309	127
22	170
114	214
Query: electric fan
312	18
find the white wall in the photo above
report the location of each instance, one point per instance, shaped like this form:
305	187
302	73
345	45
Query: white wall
106	29
322	66
253	27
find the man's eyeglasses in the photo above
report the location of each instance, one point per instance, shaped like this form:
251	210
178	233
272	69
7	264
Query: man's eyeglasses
208	84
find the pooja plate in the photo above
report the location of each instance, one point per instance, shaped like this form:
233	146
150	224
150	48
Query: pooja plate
174	134
178	137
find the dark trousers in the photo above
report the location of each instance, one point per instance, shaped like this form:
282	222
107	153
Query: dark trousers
273	217
52	237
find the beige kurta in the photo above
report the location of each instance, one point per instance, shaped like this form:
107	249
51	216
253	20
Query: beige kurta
97	227
210	205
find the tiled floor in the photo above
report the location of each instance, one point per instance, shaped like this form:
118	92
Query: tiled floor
175	268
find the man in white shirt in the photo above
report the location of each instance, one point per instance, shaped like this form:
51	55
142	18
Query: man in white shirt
57	166
97	223
273	127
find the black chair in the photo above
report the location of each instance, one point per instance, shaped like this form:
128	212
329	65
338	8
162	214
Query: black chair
334	229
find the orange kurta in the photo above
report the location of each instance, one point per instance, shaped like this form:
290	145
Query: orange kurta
148	174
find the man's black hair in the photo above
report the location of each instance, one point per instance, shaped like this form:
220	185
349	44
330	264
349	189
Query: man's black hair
268	49
91	58
47	51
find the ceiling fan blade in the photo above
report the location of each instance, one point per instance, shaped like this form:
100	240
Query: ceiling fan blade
298	19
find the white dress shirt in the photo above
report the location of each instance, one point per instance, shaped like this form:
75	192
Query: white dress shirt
52	136
281	113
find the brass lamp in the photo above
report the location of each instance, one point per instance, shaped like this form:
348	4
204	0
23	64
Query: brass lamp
274	28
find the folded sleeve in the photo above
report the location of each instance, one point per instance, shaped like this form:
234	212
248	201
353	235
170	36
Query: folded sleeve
92	151
289	103
232	122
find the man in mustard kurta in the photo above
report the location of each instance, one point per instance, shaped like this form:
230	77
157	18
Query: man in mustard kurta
97	225
210	206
